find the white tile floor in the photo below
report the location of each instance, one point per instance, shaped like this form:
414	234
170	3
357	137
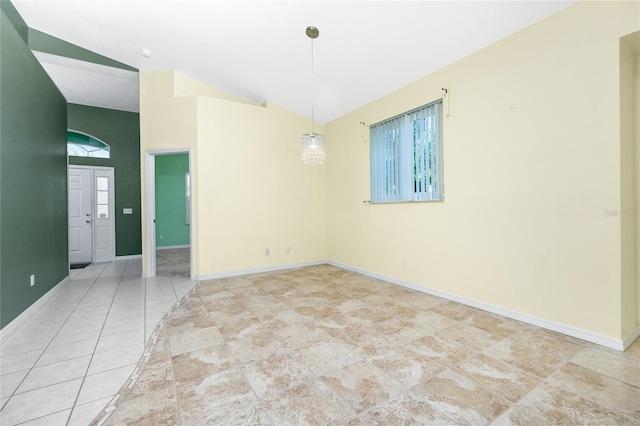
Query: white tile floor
65	363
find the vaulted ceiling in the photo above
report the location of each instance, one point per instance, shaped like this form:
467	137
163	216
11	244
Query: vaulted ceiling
258	50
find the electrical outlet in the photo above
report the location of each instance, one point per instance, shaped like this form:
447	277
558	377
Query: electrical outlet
161	236
288	249
267	252
33	280
405	263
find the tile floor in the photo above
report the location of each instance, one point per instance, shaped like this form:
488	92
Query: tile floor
321	345
64	364
173	262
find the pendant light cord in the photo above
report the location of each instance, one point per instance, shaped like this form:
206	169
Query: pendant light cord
312	89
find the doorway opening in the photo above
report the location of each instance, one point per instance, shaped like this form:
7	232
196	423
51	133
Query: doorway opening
91	210
168	201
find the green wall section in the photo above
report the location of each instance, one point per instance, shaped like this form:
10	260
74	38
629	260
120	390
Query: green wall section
15	19
33	176
121	131
171	200
42	42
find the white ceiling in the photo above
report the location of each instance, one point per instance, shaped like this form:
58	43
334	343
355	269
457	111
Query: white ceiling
86	83
258	50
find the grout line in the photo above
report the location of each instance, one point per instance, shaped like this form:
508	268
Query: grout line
133	364
41	417
149	345
52	338
84	294
75	402
173	288
142	363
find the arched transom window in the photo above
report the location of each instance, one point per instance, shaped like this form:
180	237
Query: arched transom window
82	145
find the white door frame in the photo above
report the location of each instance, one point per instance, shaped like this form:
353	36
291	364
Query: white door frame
112	209
150	208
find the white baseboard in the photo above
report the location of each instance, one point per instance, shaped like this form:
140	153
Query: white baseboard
21	319
256	270
172	247
129	257
631	337
606	341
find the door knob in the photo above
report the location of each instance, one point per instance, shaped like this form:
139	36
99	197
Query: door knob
88	221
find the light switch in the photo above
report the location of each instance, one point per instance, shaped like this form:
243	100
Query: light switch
127	211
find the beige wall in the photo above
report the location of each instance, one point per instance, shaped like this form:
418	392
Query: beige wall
532	161
166	122
636	118
628	188
534	156
258	193
251	190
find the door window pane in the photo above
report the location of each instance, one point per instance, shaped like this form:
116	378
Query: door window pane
103	211
102	197
102	183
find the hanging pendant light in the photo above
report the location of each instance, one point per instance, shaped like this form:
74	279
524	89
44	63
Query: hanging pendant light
312	143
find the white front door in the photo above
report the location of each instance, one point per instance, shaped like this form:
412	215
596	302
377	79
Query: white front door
91	215
80	228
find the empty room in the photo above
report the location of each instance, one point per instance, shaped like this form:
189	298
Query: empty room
319	212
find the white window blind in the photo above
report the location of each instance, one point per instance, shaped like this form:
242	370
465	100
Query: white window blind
406	156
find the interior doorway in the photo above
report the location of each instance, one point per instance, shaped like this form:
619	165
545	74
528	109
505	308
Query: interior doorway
173	197
91	211
168	213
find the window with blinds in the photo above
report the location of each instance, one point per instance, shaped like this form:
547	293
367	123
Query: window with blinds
406	157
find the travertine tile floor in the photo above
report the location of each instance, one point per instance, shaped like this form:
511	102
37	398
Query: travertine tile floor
321	345
66	362
173	262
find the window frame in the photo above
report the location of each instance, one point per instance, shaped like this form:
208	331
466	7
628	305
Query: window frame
393	162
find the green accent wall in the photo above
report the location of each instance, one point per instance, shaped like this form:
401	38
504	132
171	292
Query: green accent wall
42	42
171	200
33	174
121	131
15	19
